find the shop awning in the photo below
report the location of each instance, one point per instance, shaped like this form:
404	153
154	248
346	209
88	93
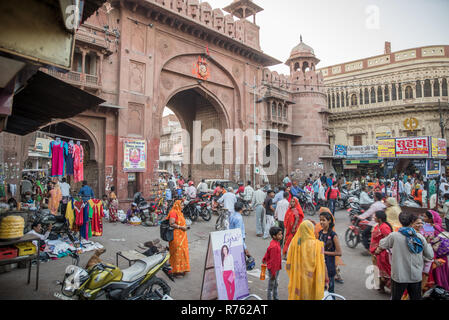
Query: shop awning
45	98
375	161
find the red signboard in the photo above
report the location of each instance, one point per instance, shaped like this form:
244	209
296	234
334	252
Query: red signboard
415	147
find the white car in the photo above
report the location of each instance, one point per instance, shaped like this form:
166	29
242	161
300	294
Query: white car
213	183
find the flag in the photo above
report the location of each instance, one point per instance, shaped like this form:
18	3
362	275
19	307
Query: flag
207	50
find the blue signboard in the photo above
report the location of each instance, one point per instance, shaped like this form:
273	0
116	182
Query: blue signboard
340	151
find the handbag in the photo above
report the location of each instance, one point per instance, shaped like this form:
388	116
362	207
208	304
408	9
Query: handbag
167	233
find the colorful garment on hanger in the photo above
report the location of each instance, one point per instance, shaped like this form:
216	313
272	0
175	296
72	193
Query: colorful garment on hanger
57	152
86	229
70	213
55	199
97	216
78	166
69	159
79	213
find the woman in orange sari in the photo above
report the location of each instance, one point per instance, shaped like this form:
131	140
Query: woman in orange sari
292	220
55	198
179	246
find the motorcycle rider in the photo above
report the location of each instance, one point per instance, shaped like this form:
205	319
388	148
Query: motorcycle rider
228	200
355	184
191	191
241	189
202	188
247	195
378	205
365	199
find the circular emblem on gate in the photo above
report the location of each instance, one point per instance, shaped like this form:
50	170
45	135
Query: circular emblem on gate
202	70
411	124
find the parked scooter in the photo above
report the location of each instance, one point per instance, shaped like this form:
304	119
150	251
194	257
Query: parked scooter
353	234
106	281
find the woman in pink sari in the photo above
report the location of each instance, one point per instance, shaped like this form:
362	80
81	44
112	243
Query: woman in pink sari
292	220
440	244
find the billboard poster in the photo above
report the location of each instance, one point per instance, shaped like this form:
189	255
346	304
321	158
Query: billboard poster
362	151
386	148
340	151
229	264
433	168
434	143
135	155
442	148
412	147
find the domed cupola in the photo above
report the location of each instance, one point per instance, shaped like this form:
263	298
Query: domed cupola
302	57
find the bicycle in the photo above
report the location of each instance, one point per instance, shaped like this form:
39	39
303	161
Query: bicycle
222	220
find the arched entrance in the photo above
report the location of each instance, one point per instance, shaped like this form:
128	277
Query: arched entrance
198	105
93	172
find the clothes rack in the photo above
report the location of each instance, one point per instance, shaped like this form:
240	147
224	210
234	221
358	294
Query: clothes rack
58	135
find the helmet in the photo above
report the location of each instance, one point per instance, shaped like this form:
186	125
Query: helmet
240	183
190	183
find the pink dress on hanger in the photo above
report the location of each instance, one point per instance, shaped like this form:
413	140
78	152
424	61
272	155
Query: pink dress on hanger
78	167
57	152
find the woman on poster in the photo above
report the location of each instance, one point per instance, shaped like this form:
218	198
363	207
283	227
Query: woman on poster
179	246
227	261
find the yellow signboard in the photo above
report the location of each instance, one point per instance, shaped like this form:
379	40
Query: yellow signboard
386	148
411	124
434	147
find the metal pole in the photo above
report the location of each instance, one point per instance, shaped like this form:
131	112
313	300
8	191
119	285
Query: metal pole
255	132
441	119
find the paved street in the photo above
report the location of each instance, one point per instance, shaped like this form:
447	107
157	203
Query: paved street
14	285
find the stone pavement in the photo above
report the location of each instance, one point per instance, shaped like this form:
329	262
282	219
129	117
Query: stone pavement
13	284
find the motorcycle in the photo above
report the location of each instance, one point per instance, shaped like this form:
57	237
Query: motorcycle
60	225
144	209
223	219
353	235
106	281
205	210
410	202
191	210
307	203
247	209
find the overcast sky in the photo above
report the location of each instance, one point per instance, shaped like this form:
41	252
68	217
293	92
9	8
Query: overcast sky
345	30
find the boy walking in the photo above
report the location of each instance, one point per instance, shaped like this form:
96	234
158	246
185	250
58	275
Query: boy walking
273	260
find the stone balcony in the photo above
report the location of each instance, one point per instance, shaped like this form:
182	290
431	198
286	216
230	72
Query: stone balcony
388	105
76	78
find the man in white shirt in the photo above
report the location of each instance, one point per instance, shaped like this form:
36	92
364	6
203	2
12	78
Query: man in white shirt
281	210
408	188
36	229
355	184
191	190
365	199
378	205
248	193
228	200
202	188
65	188
443	187
257	201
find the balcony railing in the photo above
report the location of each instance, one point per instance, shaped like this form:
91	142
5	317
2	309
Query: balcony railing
76	78
391	103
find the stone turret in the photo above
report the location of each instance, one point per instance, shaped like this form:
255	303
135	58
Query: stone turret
310	115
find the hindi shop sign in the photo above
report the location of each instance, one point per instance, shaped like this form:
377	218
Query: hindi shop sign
413	147
135	155
386	148
362	151
225	274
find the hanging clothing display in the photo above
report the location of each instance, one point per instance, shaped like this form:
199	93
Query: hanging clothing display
86	230
70	213
79	212
78	165
58	150
69	159
97	216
